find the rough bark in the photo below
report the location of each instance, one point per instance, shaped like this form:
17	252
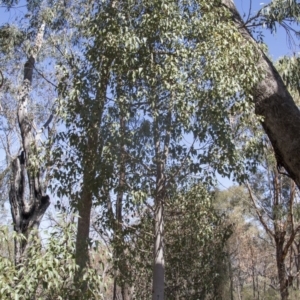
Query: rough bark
281	268
281	117
27	194
83	230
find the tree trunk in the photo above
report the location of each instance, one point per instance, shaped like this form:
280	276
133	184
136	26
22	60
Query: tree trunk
159	262
91	157
253	272
161	156
230	278
84	207
27	194
280	259
297	261
281	116
121	253
83	230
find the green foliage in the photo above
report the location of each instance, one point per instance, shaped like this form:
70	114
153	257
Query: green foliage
169	71
164	76
280	12
10	38
289	69
47	271
195	237
196	260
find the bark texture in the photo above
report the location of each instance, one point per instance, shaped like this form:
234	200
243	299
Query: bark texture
281	267
281	116
27	194
83	231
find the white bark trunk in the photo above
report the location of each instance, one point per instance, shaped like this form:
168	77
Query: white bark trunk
159	262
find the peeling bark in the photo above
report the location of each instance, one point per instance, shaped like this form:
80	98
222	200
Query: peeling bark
281	116
27	195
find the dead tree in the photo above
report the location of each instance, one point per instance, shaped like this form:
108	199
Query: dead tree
27	195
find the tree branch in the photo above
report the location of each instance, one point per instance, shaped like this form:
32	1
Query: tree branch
262	221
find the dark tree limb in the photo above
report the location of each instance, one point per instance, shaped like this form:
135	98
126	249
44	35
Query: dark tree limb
2	79
27	199
273	102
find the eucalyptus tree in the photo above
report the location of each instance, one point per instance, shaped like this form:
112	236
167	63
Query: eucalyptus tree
142	76
273	102
156	71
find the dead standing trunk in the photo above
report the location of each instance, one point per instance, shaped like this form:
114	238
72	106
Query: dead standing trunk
27	194
281	116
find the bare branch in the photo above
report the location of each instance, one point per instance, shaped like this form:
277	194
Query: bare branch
262	221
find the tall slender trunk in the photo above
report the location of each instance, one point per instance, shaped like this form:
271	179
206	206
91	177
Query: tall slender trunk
281	269
159	261
297	261
84	207
83	229
257	286
254	287
27	194
94	108
230	278
161	156
121	253
281	116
